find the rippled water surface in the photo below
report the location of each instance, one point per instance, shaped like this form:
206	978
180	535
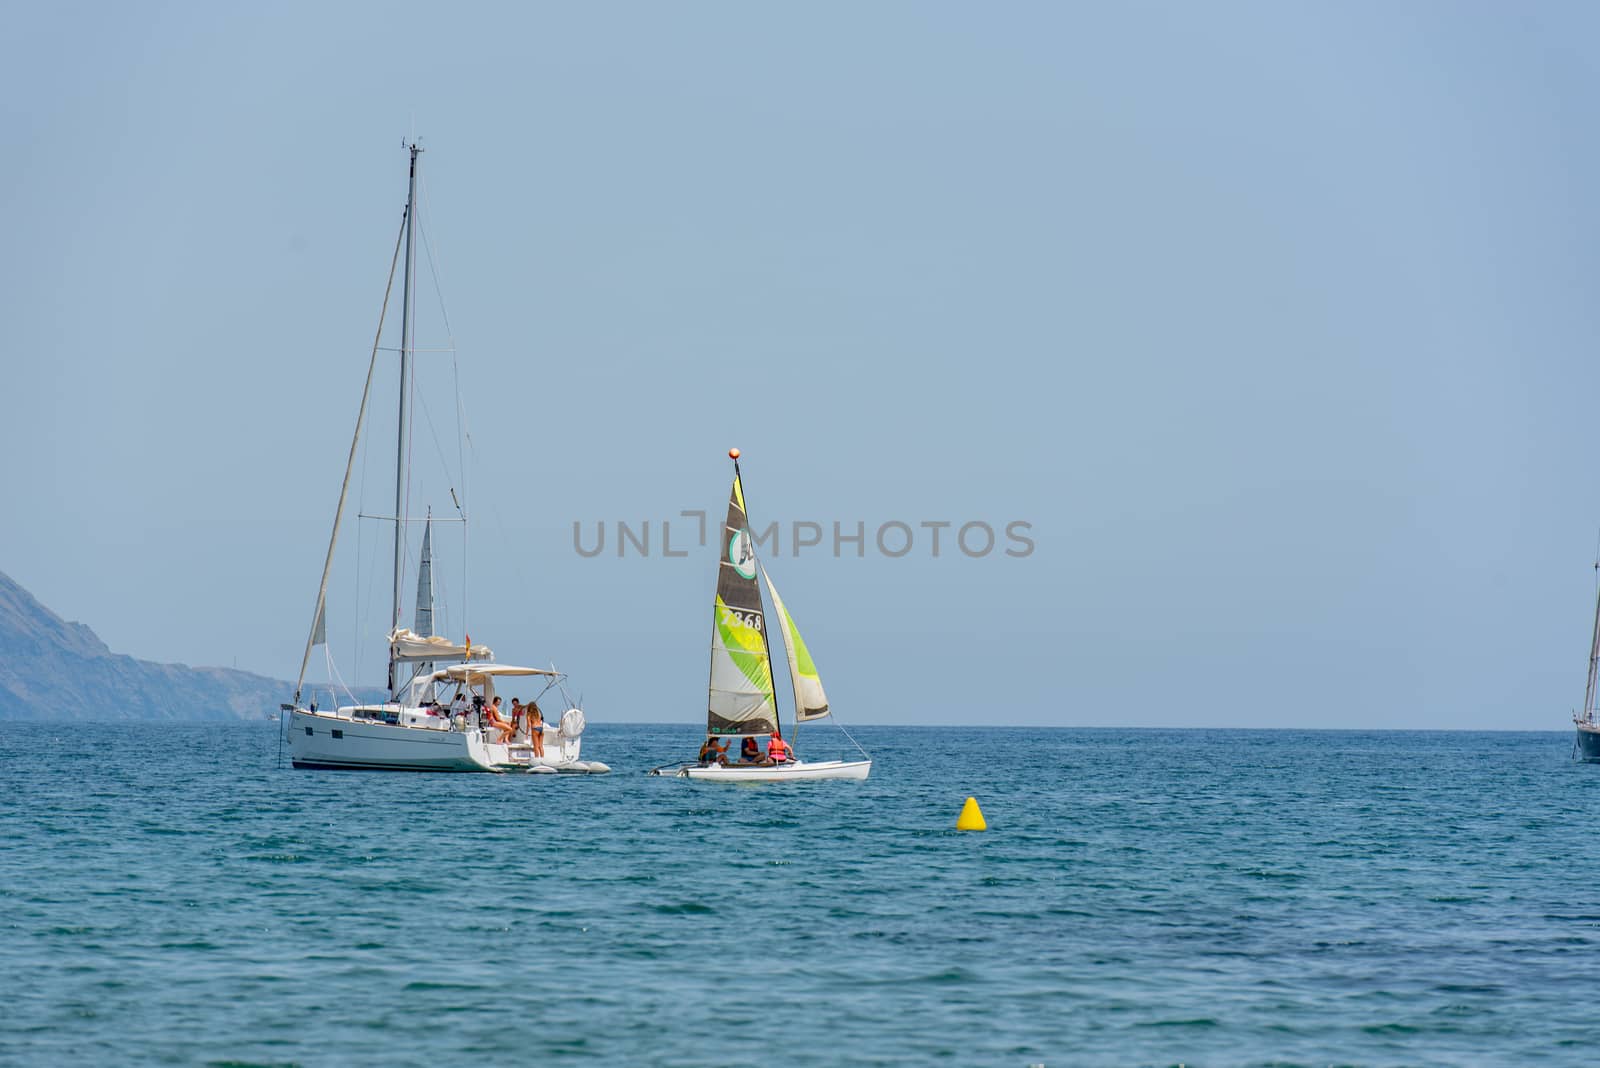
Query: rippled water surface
1208	897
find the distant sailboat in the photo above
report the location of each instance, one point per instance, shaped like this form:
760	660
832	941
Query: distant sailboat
435	716
1587	722
742	703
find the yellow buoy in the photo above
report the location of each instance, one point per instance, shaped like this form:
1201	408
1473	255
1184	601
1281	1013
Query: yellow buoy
971	818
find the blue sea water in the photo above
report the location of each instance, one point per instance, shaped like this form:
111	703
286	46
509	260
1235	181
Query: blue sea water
171	895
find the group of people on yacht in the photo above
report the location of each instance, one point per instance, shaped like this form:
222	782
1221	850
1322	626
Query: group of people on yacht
526	722
778	751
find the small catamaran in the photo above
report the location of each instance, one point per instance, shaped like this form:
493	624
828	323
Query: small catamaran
742	703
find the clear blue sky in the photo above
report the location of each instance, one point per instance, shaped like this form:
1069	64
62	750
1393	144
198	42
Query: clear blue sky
1276	321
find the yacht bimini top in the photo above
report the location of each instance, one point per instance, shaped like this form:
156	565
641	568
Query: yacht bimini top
477	674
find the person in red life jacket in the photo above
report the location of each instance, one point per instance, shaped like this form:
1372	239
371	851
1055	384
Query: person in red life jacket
778	750
749	751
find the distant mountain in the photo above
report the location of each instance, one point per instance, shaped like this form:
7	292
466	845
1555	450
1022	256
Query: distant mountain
54	670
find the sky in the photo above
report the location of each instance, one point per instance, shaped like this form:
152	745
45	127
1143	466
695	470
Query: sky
1274	323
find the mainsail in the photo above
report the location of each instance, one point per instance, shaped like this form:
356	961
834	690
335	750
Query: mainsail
741	699
809	700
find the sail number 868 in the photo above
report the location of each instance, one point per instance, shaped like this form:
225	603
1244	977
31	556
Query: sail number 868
736	618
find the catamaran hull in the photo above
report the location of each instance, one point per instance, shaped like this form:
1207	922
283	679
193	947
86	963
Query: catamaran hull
796	772
1589	743
332	742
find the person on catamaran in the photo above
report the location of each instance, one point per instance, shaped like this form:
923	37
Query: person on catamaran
516	716
535	727
749	751
712	753
778	750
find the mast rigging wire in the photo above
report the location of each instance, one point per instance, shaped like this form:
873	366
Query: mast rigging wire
344	488
435	270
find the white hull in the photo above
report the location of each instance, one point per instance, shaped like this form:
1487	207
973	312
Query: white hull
351	739
795	772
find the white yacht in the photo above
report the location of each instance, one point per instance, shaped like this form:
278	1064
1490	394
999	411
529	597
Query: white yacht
440	726
435	718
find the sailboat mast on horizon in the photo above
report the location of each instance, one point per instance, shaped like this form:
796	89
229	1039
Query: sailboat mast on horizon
1586	746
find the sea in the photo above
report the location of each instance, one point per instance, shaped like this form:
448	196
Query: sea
176	894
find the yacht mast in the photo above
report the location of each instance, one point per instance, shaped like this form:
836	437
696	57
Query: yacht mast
403	437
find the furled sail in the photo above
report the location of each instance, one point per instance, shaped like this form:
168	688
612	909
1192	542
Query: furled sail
408	645
809	700
741	699
424	625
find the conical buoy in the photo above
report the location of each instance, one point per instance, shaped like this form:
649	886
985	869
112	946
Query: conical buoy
971	818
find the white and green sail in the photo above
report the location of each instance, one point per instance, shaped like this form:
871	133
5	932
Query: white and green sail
741	699
809	700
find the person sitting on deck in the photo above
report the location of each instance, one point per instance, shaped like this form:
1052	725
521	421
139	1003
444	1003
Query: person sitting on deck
492	718
535	727
749	751
712	752
778	750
